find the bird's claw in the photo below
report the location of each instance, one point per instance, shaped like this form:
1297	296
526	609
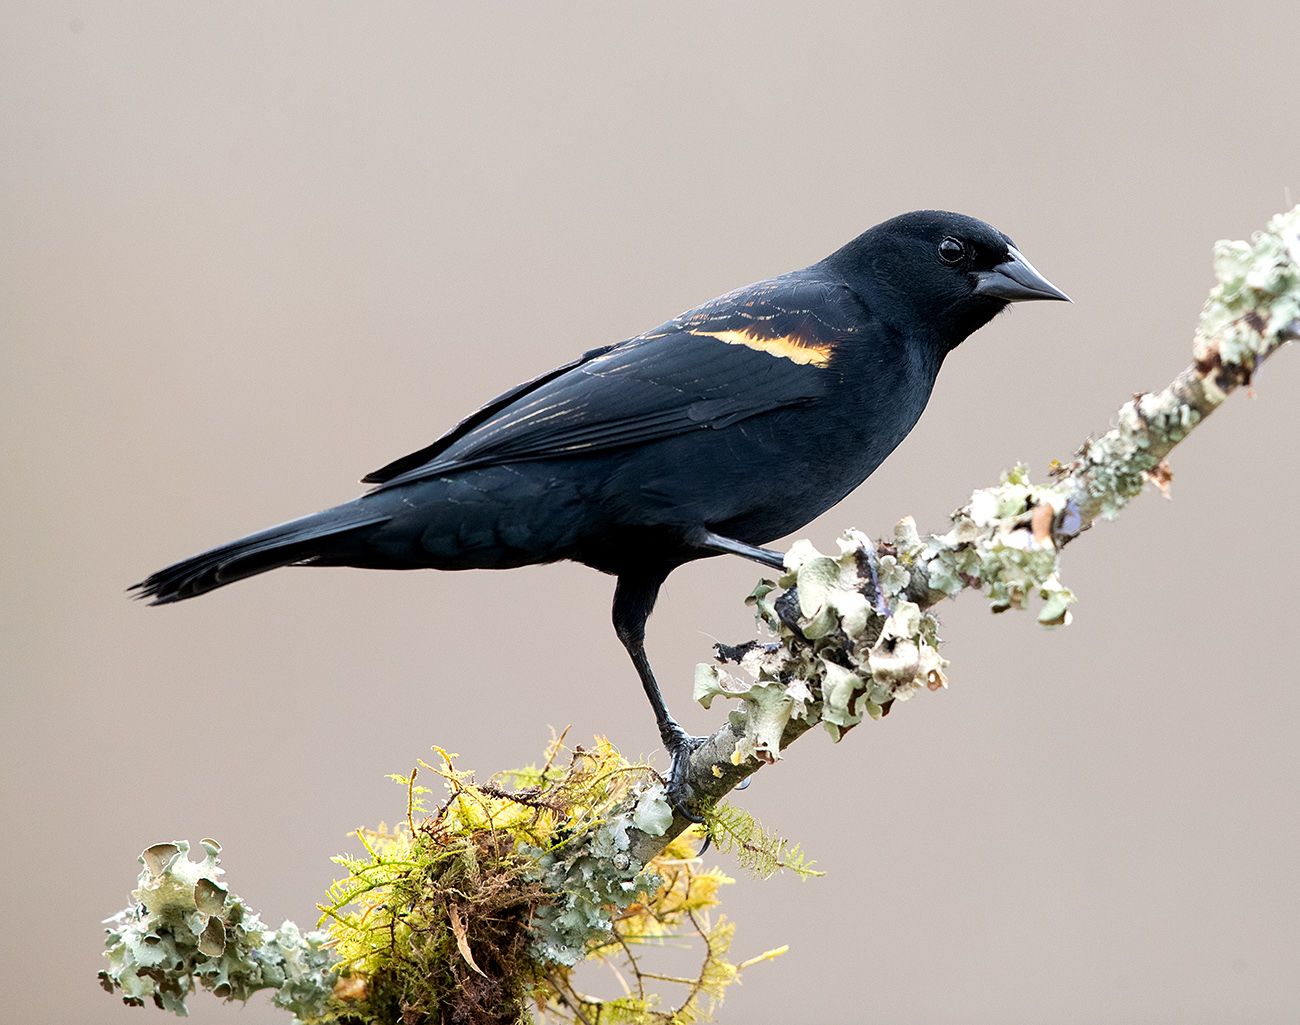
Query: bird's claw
681	746
679	793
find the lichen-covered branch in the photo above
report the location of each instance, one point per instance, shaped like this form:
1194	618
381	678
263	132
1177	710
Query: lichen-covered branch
478	911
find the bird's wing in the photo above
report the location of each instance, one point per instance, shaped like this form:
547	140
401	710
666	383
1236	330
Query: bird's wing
751	351
417	459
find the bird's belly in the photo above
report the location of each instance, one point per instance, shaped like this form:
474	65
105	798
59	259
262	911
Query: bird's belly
787	501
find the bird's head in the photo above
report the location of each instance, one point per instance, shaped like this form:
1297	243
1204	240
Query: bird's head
946	271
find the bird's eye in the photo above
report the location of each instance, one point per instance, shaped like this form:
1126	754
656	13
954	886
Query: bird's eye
951	251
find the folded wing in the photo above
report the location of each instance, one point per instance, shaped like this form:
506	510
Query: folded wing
761	348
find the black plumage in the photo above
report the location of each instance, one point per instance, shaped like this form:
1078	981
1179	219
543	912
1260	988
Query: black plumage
731	425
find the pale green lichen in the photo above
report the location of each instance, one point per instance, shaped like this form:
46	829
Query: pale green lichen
1256	297
1117	466
1003	541
594	878
185	930
839	660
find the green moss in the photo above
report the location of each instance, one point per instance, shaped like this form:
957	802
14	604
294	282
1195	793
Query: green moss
757	848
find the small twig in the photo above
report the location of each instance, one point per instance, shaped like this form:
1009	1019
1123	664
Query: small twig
572	1005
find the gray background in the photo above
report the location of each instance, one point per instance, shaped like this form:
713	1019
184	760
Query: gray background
250	252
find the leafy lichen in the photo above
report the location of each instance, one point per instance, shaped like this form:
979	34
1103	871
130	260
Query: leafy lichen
1254	303
852	633
185	930
1256	296
1120	463
1004	541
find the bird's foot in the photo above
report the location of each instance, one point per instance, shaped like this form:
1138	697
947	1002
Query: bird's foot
681	745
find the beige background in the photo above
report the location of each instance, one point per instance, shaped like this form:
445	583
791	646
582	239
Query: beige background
250	252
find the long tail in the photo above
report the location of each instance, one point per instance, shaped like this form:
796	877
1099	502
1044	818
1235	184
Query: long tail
320	534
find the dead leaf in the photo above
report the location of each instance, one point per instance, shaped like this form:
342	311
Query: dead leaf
1161	475
1040	522
350	987
462	941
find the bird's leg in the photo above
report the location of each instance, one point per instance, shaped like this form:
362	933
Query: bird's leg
679	743
713	542
634	598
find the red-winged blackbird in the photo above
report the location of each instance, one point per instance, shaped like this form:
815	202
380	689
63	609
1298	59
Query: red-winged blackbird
725	428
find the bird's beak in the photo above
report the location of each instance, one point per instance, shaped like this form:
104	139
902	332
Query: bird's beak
1016	281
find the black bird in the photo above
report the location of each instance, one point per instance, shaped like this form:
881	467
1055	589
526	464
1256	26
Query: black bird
730	425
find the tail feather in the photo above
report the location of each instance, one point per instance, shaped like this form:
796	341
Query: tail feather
283	545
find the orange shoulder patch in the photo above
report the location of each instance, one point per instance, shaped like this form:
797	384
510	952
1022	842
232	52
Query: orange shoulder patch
790	347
